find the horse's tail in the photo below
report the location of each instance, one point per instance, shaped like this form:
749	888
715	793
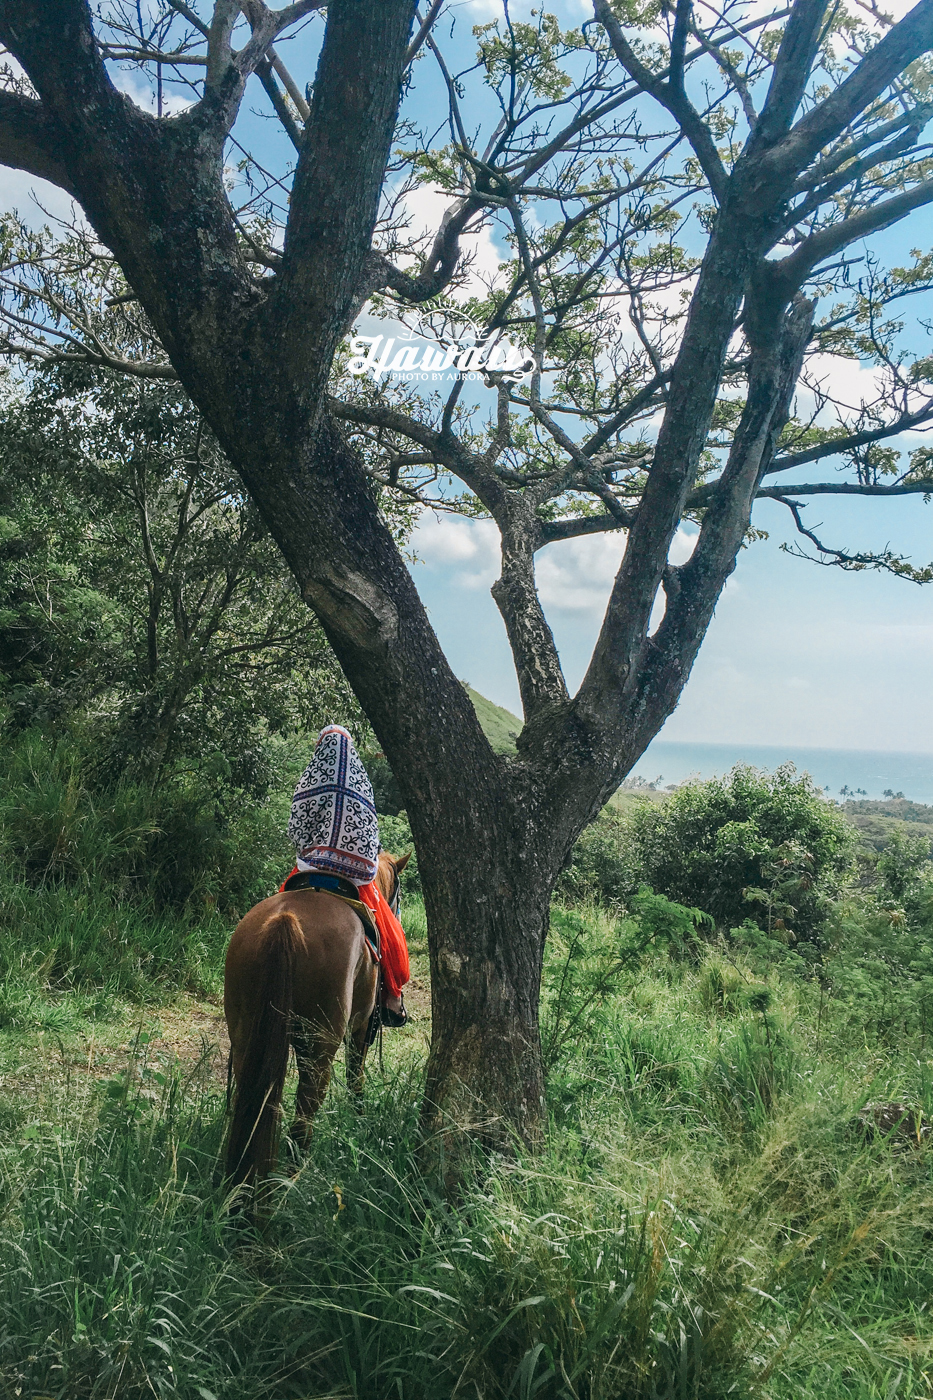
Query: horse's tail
254	1131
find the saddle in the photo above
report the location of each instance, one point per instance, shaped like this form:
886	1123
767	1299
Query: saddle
344	890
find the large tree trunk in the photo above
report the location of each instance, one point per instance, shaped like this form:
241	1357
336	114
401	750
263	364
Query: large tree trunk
487	887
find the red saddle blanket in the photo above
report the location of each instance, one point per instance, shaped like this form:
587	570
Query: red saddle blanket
395	968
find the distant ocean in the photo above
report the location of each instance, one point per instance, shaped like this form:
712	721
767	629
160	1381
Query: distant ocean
831	769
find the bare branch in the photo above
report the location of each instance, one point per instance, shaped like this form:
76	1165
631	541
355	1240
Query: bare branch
849	441
266	25
903	43
792	67
289	84
791	272
921	487
553	530
670	96
427	24
220	41
264	72
335	192
853	563
189	14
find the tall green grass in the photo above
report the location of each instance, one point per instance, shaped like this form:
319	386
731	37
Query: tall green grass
710	1216
708	1219
118	888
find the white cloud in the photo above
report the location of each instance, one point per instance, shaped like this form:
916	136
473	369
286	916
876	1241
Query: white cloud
845	379
573	576
577	575
426	208
143	93
35	201
467	551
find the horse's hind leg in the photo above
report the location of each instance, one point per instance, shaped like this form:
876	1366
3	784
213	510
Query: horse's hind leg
314	1054
357	1045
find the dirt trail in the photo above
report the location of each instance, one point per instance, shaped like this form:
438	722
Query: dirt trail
180	1035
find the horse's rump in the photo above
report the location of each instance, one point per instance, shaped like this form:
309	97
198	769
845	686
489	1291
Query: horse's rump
262	1060
299	972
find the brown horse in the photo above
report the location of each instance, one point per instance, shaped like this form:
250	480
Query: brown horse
298	973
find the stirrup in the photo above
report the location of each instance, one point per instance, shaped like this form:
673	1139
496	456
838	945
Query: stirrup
394	1019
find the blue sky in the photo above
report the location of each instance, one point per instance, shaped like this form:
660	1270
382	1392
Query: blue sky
796	654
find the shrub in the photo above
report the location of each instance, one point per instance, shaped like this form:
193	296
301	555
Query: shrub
904	863
751	845
587	953
880	966
179	845
601	866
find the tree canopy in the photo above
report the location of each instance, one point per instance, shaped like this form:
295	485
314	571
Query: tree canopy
140	594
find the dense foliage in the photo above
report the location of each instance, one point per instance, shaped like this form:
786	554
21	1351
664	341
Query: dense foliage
140	594
757	846
751	844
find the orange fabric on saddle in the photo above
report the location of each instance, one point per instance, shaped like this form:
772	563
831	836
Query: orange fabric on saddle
393	948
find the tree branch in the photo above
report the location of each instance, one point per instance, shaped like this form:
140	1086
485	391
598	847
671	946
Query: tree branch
854	563
844	488
337	184
280	106
28	140
427	24
670	97
537	664
799	44
834	446
553	530
904	42
791	272
220	42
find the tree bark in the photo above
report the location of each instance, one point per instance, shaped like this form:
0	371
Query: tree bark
487	897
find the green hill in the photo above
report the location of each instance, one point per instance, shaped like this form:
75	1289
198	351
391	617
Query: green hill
500	726
877	821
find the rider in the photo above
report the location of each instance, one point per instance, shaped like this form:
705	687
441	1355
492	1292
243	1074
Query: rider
334	827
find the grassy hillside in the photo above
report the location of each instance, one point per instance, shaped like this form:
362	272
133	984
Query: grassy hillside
500	726
715	1212
876	822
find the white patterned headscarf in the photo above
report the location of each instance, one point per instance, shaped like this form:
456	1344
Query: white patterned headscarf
333	821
